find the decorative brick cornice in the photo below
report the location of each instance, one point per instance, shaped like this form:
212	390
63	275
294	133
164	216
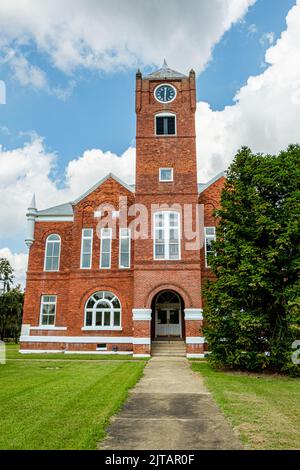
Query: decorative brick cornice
193	314
141	341
141	314
195	340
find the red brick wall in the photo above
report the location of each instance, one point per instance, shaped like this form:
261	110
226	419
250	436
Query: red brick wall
135	287
210	198
73	285
195	349
193	327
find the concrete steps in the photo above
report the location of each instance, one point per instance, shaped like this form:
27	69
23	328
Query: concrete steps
168	348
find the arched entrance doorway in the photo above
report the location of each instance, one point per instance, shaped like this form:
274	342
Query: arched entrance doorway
167	316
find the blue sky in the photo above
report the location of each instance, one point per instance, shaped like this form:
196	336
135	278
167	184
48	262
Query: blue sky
241	52
69	116
99	113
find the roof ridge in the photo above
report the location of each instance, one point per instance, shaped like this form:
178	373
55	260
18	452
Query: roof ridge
165	72
210	182
60	209
99	183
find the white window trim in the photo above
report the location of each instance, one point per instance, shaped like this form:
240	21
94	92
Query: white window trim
129	251
164	114
101	244
111	310
81	252
212	237
98	328
45	257
166	231
41	311
166	181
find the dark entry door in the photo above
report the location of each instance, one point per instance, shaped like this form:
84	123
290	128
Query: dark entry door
168	322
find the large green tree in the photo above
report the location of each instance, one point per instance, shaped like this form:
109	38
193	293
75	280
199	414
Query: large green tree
11	309
252	310
11	303
6	275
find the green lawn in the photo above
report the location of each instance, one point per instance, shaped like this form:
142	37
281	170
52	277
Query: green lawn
264	410
12	352
63	404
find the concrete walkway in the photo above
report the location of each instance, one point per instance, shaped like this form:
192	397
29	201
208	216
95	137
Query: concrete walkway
170	409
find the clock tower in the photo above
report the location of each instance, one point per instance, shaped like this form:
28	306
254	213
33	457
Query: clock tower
165	262
165	133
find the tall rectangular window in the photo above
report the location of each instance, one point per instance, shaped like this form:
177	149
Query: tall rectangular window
210	236
165	124
105	250
166	235
124	255
48	310
86	248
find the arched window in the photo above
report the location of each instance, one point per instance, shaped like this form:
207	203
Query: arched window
165	124
102	310
52	253
166	235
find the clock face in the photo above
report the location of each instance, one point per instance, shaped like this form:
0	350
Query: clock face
165	93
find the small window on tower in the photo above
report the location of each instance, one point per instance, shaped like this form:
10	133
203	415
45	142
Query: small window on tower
166	174
165	124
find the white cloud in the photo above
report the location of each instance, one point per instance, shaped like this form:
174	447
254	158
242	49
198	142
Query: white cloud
83	172
28	169
4	130
266	113
24	72
252	28
116	34
265	116
267	38
18	262
31	75
23	170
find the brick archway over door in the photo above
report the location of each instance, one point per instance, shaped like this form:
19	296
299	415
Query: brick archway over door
172	287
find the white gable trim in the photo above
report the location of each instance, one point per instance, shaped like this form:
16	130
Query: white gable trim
211	181
99	183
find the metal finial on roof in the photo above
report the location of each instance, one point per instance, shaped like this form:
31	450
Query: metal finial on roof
33	203
164	73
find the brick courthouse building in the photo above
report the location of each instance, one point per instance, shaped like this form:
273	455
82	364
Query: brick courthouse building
117	270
